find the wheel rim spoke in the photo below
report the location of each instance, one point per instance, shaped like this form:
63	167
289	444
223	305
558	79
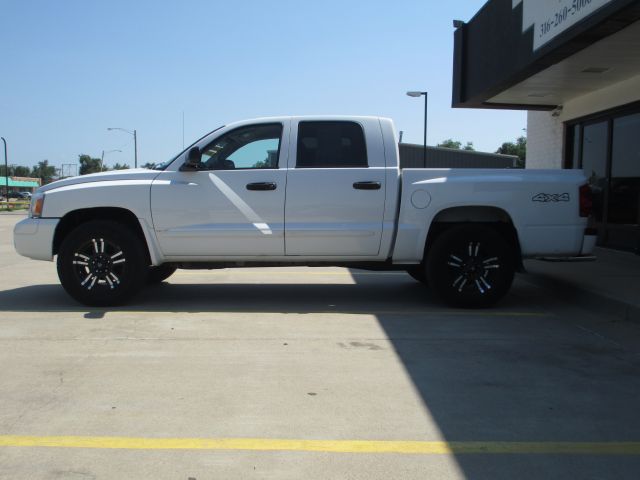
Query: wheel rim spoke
99	264
471	269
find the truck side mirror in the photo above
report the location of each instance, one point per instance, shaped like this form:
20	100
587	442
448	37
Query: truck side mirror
193	160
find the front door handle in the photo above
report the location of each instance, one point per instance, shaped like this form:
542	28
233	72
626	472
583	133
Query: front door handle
262	186
367	185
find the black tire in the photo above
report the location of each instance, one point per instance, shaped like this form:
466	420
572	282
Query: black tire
102	263
417	272
470	266
160	273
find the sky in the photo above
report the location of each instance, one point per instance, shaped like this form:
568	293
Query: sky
70	69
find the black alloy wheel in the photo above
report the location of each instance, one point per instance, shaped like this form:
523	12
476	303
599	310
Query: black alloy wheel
471	266
102	263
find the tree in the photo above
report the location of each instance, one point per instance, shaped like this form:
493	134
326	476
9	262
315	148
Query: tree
456	145
44	172
89	164
519	148
149	165
15	171
119	166
20	171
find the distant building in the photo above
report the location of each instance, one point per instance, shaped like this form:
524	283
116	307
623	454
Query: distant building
575	66
411	156
20	184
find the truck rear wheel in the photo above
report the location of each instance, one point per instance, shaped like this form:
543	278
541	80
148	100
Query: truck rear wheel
102	263
470	266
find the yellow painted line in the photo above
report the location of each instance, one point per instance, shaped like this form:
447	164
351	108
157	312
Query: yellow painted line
331	446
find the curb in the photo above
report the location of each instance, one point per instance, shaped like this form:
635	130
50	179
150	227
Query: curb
593	300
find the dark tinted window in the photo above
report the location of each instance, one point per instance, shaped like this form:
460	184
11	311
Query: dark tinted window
331	145
624	196
594	163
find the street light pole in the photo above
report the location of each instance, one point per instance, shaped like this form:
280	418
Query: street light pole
135	149
135	142
6	171
426	103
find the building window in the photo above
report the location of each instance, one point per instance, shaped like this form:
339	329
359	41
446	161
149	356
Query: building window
607	148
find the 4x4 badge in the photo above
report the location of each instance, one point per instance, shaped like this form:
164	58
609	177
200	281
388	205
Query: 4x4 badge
551	197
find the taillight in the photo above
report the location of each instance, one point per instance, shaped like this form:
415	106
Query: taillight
586	200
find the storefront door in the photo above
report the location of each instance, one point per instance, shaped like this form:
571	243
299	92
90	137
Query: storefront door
607	148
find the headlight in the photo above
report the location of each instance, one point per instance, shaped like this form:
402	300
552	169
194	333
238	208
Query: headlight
37	204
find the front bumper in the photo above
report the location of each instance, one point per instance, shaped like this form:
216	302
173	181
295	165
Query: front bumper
33	237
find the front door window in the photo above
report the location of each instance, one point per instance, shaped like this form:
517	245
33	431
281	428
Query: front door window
252	147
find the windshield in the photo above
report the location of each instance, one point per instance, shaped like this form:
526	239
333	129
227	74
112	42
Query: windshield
163	165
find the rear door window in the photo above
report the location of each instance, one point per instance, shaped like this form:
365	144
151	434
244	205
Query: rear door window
331	144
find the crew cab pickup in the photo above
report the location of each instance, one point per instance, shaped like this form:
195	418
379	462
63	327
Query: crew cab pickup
304	191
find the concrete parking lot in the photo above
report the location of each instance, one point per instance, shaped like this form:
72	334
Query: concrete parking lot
309	373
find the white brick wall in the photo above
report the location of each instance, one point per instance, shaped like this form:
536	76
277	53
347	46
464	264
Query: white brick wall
544	140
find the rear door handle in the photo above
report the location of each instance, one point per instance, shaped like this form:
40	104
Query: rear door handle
367	185
262	186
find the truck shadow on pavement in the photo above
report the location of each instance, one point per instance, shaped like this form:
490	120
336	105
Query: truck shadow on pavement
508	374
363	297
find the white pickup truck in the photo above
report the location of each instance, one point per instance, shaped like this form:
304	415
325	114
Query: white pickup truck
304	191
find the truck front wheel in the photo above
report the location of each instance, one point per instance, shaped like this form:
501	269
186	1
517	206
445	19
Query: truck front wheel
102	263
417	273
160	273
470	266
